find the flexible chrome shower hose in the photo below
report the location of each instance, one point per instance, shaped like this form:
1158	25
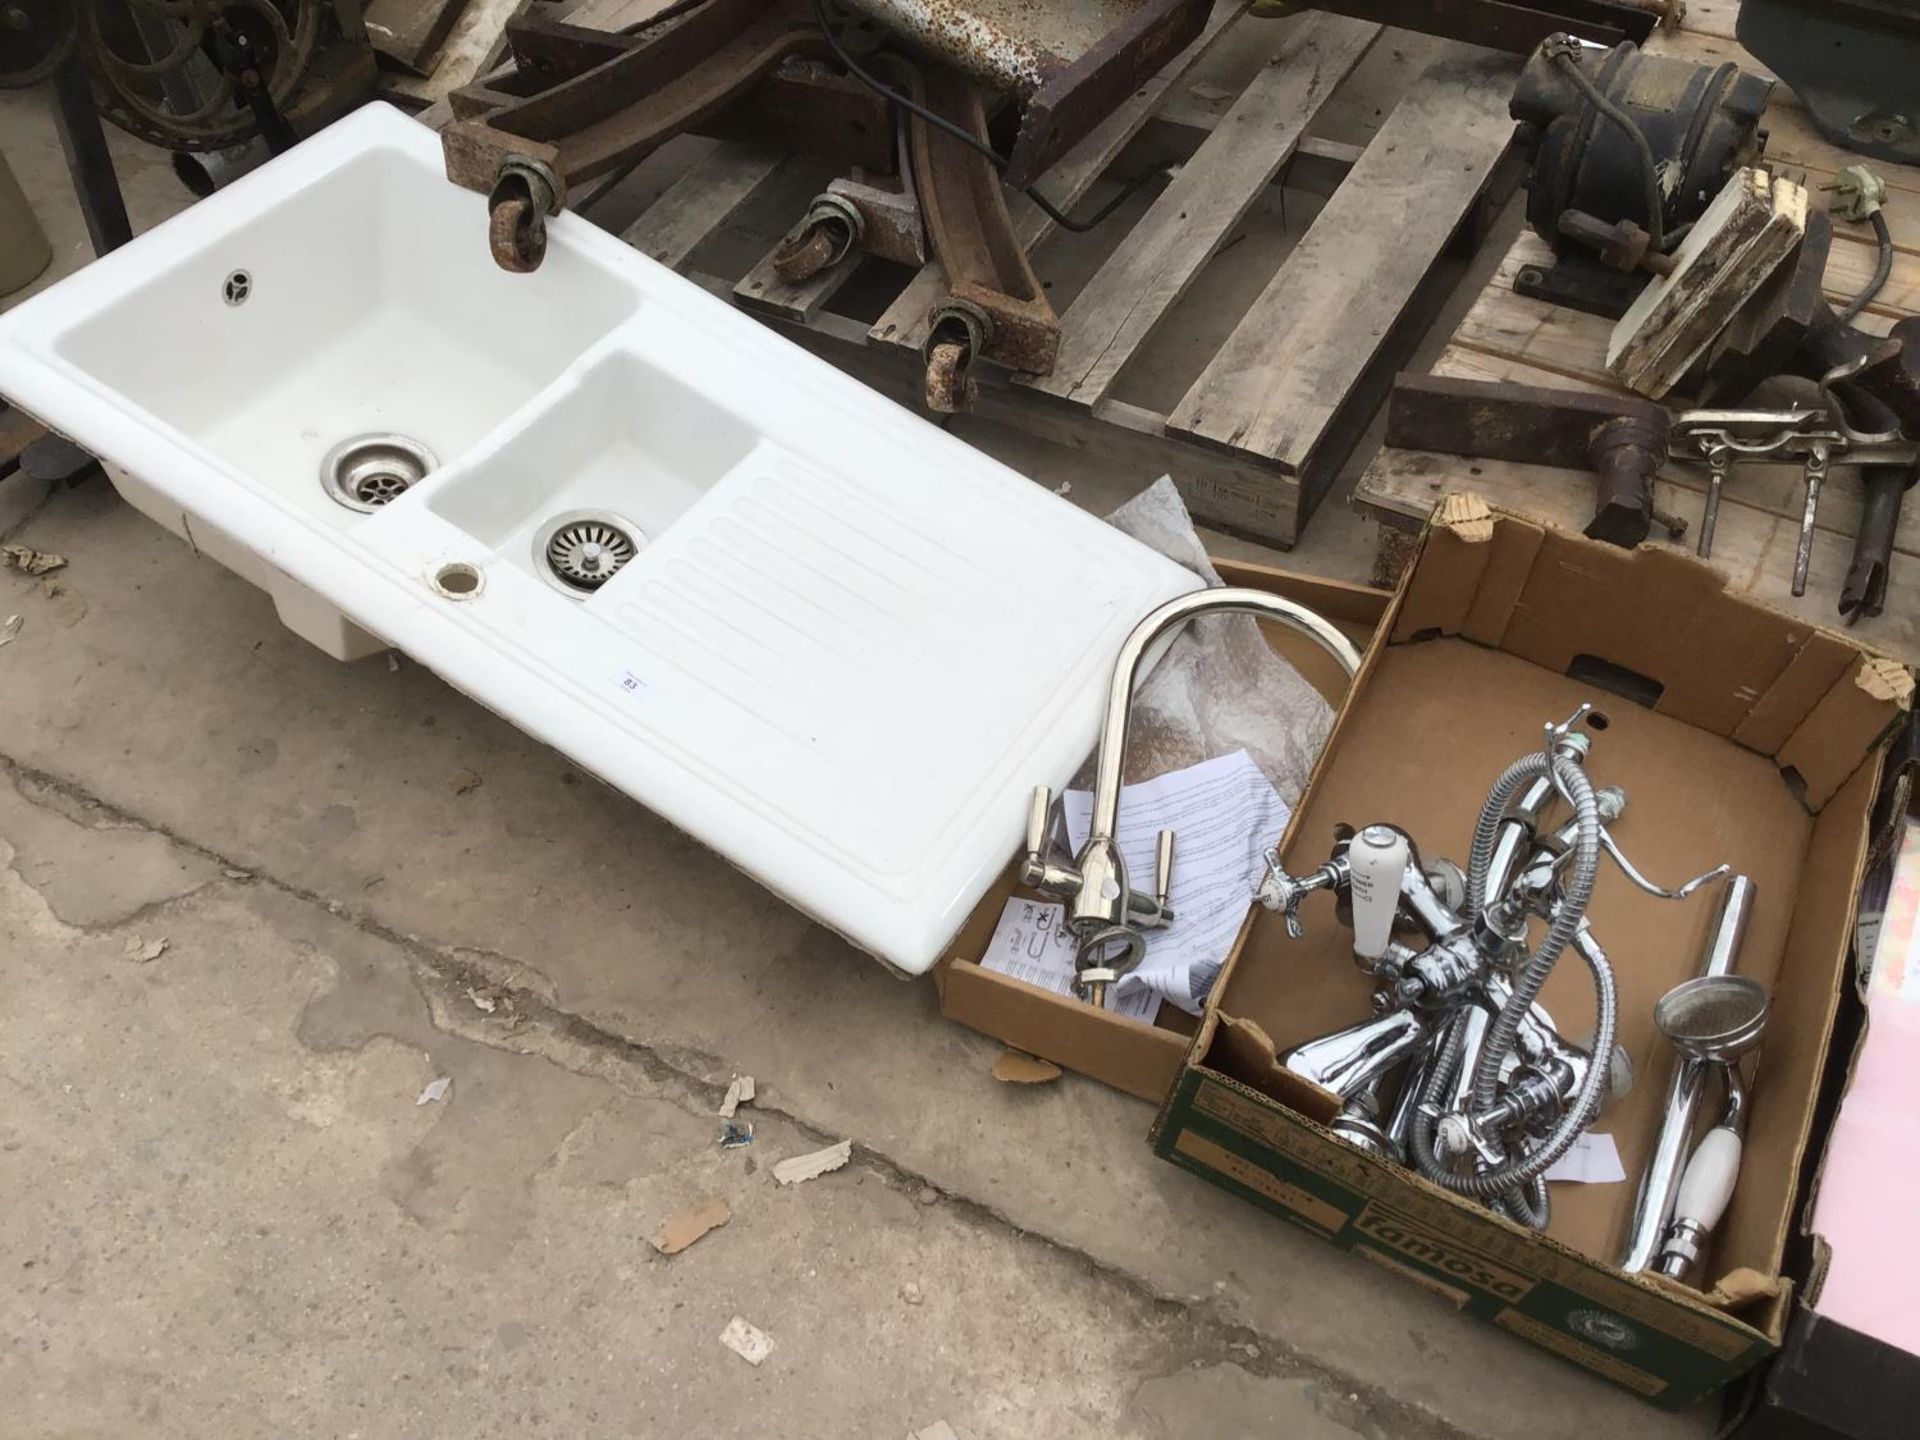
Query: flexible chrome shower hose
1515	1185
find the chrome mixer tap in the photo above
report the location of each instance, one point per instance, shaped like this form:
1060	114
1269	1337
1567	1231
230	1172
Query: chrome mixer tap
1107	916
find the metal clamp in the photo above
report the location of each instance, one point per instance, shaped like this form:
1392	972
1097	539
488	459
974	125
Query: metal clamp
1817	437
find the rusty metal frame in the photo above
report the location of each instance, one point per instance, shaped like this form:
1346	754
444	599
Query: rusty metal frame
1068	105
583	103
874	214
1023	49
995	306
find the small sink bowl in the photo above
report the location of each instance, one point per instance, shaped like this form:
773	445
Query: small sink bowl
822	636
630	445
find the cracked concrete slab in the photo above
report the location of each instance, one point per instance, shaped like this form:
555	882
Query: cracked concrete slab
228	1214
92	870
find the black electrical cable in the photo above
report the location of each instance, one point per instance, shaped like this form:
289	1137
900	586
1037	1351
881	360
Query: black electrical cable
1649	168
967	137
1880	271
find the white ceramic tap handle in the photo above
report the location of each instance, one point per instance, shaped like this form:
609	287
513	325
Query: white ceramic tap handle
1708	1184
1377	858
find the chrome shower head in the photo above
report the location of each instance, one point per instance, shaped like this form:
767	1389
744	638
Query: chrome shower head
1715	1018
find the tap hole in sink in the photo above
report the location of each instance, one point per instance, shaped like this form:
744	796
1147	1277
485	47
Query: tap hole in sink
458	581
368	471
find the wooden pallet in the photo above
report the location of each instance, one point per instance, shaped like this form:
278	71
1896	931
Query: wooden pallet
1508	337
1267	422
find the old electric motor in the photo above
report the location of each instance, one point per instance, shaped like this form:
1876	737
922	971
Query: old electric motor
1700	123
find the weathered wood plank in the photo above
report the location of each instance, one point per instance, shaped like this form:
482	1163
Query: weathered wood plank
409	32
1279	382
762	289
1229	494
591	14
904	322
1752	547
1406	482
711	190
475	44
1168	246
1568	342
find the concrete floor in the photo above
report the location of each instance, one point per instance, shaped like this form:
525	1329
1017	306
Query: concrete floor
227	1214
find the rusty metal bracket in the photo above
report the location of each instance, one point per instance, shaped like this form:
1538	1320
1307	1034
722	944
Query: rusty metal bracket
1067	107
1070	62
995	307
875	214
1621	438
583	103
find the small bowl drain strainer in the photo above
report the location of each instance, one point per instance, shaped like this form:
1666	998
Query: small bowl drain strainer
583	549
368	471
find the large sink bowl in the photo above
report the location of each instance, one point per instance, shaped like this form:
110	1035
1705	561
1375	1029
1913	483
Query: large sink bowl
822	636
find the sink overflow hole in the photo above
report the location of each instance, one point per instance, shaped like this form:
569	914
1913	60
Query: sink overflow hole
584	549
367	471
238	286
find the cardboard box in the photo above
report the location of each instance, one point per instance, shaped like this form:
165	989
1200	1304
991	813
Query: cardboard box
1124	1053
1741	736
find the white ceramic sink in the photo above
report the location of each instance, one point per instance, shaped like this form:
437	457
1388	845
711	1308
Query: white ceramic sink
819	634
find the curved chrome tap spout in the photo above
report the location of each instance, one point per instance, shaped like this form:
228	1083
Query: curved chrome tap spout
1101	907
1164	621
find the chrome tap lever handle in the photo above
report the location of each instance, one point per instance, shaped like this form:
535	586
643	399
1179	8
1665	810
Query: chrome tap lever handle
1038	809
1163	876
1036	869
1283	892
1815	475
1719	464
1556	733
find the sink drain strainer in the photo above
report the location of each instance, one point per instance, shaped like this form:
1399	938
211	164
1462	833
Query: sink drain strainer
584	549
367	471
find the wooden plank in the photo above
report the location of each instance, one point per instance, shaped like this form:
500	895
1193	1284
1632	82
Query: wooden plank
904	324
475	44
1163	252
1316	166
1566	342
761	289
409	32
1752	548
1279	383
1233	495
592	14
700	200
1407	482
615	14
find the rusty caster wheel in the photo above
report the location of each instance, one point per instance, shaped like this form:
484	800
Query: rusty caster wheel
805	256
517	234
950	389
